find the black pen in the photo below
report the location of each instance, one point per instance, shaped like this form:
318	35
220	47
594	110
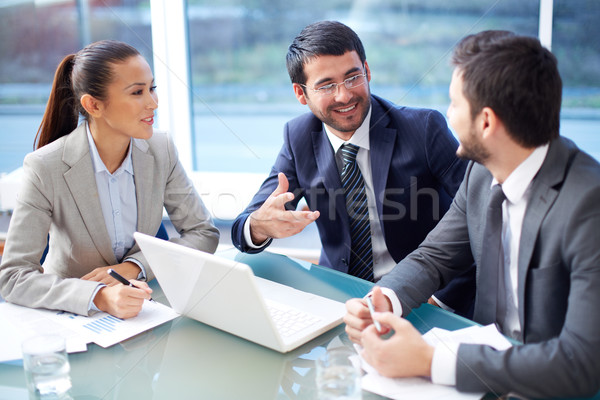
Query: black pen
124	281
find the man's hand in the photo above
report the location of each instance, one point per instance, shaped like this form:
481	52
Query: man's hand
358	317
122	301
128	270
272	220
404	354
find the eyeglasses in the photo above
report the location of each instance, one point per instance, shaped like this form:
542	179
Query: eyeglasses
350	83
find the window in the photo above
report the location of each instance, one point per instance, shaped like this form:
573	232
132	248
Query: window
242	95
36	35
240	91
576	44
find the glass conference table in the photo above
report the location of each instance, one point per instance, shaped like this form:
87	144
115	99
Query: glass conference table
185	359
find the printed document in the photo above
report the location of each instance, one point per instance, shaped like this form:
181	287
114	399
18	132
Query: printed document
423	388
103	329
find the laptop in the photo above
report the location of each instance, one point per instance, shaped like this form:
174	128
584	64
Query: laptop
225	294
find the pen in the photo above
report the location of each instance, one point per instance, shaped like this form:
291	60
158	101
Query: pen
124	281
372	311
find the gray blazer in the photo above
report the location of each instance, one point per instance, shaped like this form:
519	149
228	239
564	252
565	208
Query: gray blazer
59	197
558	279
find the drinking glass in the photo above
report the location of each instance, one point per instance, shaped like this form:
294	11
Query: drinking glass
337	378
46	367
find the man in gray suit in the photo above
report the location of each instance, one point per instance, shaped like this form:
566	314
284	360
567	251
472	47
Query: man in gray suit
537	249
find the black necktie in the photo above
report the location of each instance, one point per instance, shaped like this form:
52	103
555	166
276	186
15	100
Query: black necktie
491	259
361	258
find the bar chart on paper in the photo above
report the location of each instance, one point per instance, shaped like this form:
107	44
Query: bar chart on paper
106	330
104	324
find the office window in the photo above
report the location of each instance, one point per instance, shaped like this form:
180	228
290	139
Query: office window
242	95
576	44
36	35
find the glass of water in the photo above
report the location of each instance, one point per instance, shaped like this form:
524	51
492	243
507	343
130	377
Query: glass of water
337	377
46	367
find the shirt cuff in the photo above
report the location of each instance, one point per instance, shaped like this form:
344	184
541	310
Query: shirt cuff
396	306
442	305
248	236
91	305
142	275
443	365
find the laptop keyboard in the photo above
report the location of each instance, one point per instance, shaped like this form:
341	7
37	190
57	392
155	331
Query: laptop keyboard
290	320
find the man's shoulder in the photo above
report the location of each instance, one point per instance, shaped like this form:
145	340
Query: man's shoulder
306	122
567	163
582	173
390	107
410	120
298	132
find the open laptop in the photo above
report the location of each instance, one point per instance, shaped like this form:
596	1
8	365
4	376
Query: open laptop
225	294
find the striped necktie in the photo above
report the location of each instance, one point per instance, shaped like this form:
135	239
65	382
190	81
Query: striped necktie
361	258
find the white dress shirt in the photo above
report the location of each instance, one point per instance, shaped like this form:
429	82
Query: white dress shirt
517	189
117	199
382	260
118	202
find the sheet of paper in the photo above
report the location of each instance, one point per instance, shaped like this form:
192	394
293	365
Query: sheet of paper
106	330
413	388
488	335
422	388
19	323
11	340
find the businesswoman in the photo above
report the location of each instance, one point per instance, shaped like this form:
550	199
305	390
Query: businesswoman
88	188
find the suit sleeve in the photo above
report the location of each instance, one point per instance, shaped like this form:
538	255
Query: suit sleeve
449	170
567	365
286	163
22	280
445	253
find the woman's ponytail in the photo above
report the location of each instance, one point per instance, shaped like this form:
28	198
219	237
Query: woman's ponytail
62	111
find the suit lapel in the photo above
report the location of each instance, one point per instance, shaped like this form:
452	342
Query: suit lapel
81	181
381	140
331	178
143	172
543	194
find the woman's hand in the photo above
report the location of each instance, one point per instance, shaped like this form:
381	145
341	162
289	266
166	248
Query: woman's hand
123	301
127	270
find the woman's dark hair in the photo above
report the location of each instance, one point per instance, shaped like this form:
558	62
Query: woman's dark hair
330	38
89	71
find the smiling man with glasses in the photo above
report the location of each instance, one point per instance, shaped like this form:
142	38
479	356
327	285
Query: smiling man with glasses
376	176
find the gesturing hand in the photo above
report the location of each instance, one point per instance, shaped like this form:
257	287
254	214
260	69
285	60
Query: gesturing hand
272	220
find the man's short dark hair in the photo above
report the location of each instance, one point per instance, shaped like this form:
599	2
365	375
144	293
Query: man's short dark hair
330	38
517	78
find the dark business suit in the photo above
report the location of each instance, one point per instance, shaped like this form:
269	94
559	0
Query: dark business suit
415	174
558	278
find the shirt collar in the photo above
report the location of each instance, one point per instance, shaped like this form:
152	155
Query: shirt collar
359	138
126	166
515	186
